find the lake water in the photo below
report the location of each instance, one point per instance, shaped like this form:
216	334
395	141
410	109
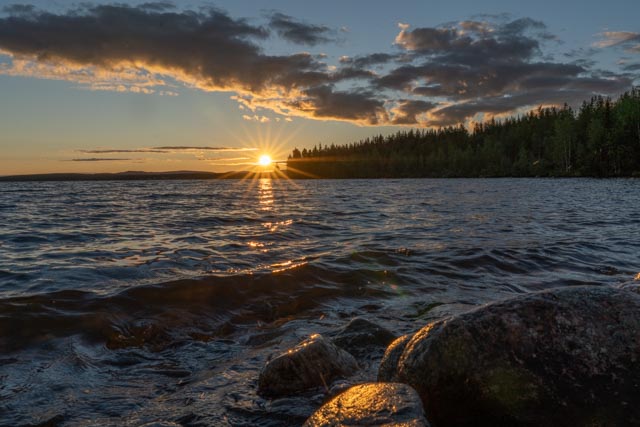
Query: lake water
124	303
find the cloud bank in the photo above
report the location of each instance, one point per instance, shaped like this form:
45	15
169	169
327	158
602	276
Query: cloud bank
433	76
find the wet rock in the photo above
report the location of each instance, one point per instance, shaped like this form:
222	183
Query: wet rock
373	404
360	337
315	362
387	369
562	357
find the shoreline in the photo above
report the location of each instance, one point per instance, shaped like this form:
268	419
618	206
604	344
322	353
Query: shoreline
205	176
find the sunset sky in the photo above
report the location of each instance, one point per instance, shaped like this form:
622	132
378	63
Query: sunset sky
107	87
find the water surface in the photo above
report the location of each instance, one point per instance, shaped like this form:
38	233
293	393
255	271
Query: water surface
132	302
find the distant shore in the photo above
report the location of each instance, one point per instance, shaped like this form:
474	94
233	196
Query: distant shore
136	176
189	175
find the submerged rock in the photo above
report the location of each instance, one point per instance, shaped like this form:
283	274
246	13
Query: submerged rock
360	337
562	357
374	404
315	362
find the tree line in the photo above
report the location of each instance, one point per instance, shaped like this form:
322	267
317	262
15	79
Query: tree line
600	139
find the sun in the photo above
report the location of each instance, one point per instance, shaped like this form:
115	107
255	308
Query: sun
264	160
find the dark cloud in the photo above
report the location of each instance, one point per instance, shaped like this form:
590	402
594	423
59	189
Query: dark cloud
203	148
366	61
407	111
487	65
471	62
347	73
114	151
210	49
326	102
299	32
503	105
167	150
430	39
631	67
96	159
517	27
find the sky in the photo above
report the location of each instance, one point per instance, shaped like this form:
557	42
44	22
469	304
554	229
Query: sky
211	86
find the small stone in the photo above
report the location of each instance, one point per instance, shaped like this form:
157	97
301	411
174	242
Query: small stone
315	362
372	404
361	337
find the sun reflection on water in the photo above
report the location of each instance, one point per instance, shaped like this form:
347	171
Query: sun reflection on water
265	194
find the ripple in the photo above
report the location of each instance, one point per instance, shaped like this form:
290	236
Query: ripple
145	300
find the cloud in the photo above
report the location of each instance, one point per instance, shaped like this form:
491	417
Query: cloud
628	39
365	61
299	32
138	49
483	67
208	50
327	103
497	106
203	148
97	159
256	118
407	111
488	64
225	159
426	39
114	151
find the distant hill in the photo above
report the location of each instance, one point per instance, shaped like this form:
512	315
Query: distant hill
134	176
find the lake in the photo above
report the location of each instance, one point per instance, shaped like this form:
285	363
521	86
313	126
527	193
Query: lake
135	302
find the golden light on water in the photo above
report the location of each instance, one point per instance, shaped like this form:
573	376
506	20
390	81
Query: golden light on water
265	160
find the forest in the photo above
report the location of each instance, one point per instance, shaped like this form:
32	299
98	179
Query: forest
600	139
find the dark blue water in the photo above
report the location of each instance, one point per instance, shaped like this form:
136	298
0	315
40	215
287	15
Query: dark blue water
133	302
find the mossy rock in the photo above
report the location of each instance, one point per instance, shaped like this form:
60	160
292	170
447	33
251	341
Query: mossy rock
561	357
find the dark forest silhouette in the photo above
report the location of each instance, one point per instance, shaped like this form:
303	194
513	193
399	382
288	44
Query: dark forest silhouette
601	139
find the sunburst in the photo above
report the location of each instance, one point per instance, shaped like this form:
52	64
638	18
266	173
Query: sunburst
265	160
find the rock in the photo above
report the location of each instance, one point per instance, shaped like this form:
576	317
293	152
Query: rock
360	337
313	363
387	369
561	357
373	404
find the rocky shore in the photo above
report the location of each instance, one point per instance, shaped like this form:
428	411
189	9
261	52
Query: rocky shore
560	357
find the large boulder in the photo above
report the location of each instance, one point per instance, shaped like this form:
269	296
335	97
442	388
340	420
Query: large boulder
561	357
315	362
373	404
361	337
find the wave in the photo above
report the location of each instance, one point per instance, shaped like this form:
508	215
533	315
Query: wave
164	313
